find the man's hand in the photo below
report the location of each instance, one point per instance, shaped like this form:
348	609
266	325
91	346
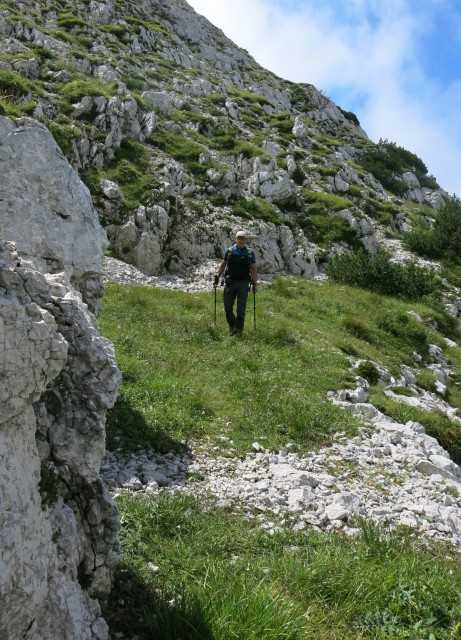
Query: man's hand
216	281
255	286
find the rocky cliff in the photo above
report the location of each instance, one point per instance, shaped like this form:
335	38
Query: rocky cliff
182	137
58	525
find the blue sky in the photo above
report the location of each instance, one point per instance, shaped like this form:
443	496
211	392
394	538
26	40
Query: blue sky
395	63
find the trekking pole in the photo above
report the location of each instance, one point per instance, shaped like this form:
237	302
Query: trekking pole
215	306
254	308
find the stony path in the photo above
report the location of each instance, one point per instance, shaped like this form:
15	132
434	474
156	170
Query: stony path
391	473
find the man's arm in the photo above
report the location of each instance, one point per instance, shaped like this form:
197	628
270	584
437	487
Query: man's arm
219	272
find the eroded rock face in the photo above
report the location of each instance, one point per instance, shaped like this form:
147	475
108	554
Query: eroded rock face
59	527
46	206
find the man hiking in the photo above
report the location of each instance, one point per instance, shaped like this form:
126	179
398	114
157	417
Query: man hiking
239	268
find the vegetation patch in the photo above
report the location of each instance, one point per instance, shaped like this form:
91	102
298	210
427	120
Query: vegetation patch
64	134
386	160
259	209
327	201
69	21
14	86
325	229
443	239
181	148
73	91
379	273
244	97
220	576
130	170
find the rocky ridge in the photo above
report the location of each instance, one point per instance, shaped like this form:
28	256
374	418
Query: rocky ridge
182	136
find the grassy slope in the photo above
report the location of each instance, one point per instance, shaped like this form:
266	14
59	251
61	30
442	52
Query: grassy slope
186	380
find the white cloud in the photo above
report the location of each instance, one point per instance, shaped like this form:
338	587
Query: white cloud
364	54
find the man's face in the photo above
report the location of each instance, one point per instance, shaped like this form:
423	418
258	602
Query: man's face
241	241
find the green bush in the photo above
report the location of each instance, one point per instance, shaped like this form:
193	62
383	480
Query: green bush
298	176
181	148
349	115
447	228
368	370
325	229
444	239
424	242
426	379
68	21
63	135
378	273
386	160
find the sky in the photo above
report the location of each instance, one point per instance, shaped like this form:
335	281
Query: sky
396	64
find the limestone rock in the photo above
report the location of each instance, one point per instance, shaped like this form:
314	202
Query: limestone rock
46	206
58	524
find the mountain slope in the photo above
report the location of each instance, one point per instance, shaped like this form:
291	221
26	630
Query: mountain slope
182	137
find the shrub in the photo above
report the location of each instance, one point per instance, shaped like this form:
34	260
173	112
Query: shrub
444	240
424	241
426	379
386	160
325	229
368	370
181	148
447	228
378	273
68	21
248	150
349	115
298	176
246	97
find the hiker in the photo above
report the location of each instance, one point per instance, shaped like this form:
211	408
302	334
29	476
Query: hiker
239	268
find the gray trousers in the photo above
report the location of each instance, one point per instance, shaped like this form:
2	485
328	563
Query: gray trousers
237	289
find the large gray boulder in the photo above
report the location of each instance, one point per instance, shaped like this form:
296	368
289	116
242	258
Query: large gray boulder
59	527
45	205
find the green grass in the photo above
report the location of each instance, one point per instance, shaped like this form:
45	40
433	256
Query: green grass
185	379
329	201
221	577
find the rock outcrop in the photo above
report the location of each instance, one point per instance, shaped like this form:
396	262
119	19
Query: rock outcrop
46	206
59	528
